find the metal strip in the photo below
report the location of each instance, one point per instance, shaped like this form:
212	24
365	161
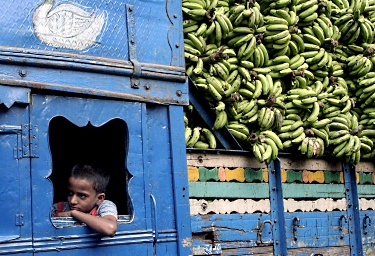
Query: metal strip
153	203
354	222
134	81
66	61
34	141
277	208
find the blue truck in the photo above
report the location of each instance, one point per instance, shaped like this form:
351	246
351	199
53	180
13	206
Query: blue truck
105	81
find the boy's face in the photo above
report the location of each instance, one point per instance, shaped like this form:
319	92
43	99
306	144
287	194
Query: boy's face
82	196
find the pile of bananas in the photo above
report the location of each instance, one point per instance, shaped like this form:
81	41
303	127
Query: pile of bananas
299	73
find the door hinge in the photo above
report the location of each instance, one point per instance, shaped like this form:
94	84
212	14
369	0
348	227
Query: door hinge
29	142
19	220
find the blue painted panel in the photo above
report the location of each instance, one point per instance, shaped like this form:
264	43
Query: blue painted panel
15	215
80	112
10	95
235	228
106	29
367	220
317	229
160	164
180	180
108	250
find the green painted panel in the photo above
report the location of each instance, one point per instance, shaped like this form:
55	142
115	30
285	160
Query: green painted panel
208	174
294	176
365	178
260	190
332	177
252	175
313	190
228	190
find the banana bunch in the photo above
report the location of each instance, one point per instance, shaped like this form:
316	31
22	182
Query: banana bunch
249	111
266	146
359	65
279	66
344	139
312	147
304	102
292	131
365	93
269	118
351	20
320	63
336	69
276	35
221	119
327	32
259	57
307	12
198	137
367	138
243	14
195	136
238	130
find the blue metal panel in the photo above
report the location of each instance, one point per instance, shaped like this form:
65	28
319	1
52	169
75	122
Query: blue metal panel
160	165
98	112
316	230
20	29
234	234
10	95
368	231
353	209
277	207
180	180
15	215
44	51
167	176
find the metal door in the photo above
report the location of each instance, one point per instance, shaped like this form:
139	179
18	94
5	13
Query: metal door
15	235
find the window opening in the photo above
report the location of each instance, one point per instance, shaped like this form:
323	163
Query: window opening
104	146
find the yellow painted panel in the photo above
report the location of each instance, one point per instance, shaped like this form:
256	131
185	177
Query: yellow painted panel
193	173
237	174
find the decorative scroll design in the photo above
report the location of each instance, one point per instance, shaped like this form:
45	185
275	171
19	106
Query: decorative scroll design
225	206
240	174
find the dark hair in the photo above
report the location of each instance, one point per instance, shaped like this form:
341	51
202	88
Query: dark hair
97	176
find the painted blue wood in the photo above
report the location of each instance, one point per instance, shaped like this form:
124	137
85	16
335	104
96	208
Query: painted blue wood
152	24
105	67
180	179
353	209
367	221
15	237
277	207
9	95
316	229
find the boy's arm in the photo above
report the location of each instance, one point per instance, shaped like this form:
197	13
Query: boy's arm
106	225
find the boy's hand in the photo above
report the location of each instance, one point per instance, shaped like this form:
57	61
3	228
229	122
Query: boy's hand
65	214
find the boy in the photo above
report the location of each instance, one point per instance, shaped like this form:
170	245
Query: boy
86	193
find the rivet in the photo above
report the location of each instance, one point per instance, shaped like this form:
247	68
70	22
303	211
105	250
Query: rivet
22	72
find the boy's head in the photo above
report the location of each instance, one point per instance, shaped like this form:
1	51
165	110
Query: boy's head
86	188
93	174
